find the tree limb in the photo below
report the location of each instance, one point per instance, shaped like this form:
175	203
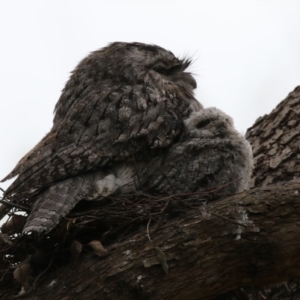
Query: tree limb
206	255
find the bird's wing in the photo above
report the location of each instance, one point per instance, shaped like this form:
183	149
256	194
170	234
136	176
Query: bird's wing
108	125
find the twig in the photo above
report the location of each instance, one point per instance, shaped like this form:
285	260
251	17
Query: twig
226	184
163	212
42	273
15	205
148	230
226	219
168	180
136	171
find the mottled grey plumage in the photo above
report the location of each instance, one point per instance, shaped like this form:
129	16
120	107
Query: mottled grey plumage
210	153
125	102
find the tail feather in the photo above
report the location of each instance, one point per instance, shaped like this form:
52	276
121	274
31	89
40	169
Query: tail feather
56	202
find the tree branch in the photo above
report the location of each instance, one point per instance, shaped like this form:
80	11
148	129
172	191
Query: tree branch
206	255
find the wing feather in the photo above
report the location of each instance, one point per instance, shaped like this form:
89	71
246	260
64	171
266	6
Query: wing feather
107	125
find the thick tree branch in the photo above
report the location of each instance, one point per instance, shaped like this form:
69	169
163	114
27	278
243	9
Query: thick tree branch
206	255
275	142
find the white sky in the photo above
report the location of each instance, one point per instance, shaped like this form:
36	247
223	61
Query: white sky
247	54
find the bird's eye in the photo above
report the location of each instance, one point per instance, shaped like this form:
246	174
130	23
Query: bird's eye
161	71
168	71
202	123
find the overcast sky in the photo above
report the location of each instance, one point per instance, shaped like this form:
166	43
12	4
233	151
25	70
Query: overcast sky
246	54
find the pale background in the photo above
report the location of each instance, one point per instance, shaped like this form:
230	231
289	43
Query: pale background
246	54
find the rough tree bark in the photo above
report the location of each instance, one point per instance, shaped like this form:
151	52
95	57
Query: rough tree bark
249	240
275	142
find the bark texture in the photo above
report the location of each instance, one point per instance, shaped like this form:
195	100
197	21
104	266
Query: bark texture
275	142
249	239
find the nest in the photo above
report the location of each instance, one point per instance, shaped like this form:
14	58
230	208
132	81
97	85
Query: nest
109	220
